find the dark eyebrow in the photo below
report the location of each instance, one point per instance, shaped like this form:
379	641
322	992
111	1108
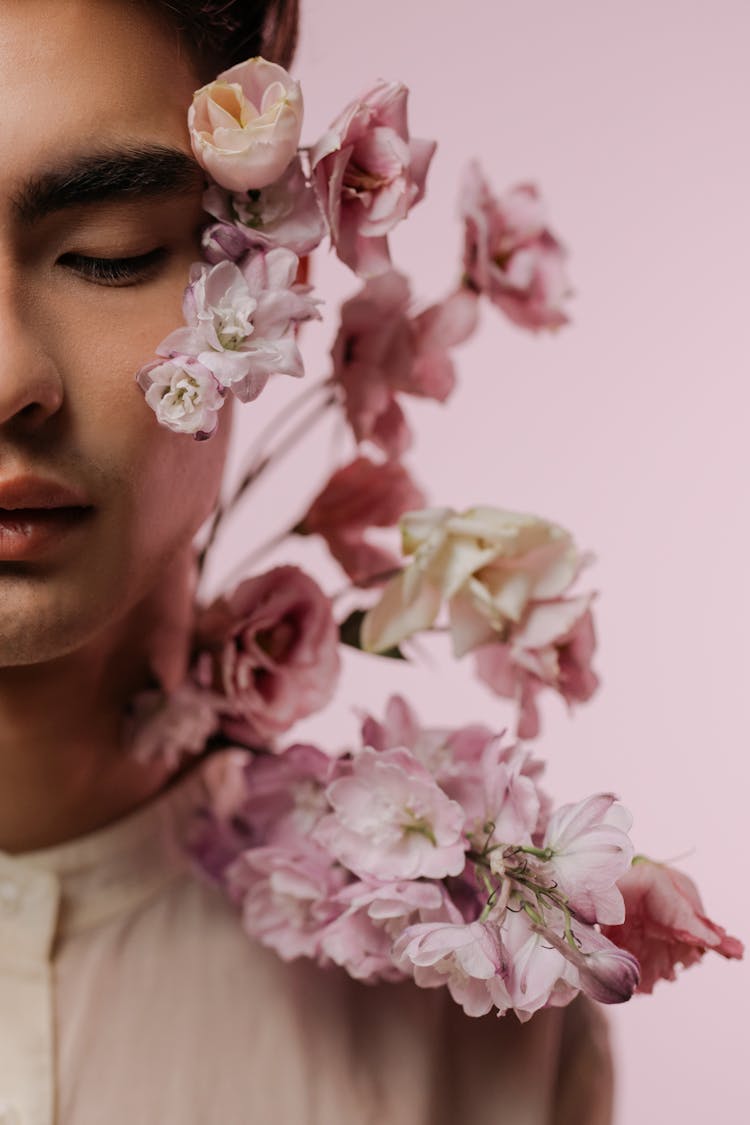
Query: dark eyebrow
137	172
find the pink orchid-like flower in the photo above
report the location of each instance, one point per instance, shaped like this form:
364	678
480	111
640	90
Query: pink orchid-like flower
369	173
271	648
605	972
589	851
537	974
390	820
286	213
381	352
183	394
665	924
357	497
467	957
511	255
361	939
287	896
245	125
241	320
487	564
552	647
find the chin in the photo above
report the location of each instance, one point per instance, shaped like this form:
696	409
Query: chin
43	617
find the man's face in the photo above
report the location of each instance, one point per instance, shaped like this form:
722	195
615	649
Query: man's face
79	80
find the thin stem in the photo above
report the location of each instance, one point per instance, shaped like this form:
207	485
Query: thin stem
250	560
259	467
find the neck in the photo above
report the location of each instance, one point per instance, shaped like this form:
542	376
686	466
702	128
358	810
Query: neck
64	769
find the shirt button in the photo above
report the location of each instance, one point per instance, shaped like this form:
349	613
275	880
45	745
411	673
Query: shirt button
10	900
9	1115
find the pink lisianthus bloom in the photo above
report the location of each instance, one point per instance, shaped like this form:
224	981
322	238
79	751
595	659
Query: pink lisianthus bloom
183	394
369	173
286	213
361	495
241	319
501	800
381	352
551	647
390	820
665	924
271	649
245	125
287	896
487	564
589	850
511	255
169	727
467	957
361	939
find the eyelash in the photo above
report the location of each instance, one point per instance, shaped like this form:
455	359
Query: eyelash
116	271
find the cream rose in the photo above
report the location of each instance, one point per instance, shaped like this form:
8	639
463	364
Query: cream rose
245	125
486	563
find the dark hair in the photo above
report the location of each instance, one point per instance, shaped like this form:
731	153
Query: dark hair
220	33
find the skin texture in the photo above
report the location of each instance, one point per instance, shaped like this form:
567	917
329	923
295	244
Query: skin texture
91	620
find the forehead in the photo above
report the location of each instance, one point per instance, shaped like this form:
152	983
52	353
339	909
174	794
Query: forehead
78	73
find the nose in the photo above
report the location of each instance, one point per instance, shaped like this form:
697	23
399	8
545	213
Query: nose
31	389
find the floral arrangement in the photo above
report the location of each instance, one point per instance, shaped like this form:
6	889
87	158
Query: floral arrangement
426	853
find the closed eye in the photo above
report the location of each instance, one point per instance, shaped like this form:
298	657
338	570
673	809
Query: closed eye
115	271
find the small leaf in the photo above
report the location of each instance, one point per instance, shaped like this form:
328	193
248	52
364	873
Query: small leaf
349	633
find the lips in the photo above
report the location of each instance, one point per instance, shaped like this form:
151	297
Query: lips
37	515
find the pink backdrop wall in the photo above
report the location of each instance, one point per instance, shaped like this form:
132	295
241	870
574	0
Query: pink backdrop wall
629	427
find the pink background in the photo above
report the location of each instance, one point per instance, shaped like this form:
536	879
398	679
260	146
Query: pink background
629	427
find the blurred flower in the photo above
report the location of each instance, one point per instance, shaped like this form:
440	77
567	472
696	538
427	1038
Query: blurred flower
369	173
286	896
271	648
664	922
511	255
169	726
467	957
361	939
380	352
551	647
245	125
286	213
359	496
183	394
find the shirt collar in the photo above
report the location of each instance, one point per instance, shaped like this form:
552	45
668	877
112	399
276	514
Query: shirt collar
52	893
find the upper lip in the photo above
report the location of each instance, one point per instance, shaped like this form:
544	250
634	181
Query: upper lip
25	492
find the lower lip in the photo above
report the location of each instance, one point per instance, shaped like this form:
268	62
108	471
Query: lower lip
27	532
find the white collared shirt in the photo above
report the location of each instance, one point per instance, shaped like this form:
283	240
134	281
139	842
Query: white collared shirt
130	995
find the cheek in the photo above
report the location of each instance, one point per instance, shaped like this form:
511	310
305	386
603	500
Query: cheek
160	486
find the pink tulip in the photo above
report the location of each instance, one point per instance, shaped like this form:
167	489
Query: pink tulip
245	125
665	924
511	255
362	495
369	173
